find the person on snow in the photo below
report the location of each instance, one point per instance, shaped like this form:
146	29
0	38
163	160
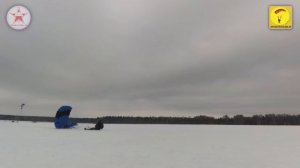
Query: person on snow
99	125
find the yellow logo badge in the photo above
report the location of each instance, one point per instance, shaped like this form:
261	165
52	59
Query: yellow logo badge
280	17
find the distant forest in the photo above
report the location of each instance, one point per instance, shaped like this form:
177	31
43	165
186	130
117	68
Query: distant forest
268	119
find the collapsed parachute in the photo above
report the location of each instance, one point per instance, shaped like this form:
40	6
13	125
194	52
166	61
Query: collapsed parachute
62	119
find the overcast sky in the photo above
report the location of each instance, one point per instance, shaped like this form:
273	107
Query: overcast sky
149	58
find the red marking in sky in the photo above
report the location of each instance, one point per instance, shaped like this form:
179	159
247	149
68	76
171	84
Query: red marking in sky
18	16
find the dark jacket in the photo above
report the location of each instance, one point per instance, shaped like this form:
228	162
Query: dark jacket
99	125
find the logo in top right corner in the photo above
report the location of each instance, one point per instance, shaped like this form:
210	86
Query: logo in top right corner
280	17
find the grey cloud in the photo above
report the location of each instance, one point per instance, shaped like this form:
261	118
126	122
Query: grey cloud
149	58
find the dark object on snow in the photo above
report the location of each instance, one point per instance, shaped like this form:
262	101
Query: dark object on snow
62	119
99	125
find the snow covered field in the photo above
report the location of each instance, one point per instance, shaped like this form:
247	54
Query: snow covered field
39	145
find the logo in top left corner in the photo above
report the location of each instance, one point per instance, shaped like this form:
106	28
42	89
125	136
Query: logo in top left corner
18	17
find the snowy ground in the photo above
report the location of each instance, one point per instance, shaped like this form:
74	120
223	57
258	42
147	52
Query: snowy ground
39	145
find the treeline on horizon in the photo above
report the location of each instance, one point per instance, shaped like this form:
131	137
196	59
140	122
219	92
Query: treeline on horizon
268	119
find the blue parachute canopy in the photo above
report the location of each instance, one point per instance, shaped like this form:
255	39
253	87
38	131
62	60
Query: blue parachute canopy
62	119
